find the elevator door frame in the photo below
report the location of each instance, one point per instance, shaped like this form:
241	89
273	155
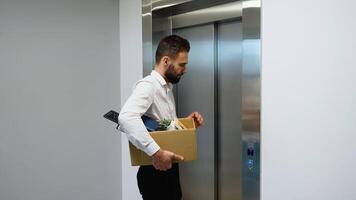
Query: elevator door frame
164	24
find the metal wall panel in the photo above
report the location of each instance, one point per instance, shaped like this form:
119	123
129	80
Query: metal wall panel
229	94
251	100
147	37
208	15
196	93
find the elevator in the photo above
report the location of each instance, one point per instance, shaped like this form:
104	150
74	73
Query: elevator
222	83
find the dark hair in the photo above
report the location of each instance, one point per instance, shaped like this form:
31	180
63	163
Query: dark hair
170	46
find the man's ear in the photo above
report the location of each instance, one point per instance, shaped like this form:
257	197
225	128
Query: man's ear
165	60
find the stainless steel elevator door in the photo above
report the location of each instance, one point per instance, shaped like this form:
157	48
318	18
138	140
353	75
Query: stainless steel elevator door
196	93
212	86
229	98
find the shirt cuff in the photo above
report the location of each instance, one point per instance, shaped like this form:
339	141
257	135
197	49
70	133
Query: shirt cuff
151	148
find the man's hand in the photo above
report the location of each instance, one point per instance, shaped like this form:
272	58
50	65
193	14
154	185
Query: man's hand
198	118
162	160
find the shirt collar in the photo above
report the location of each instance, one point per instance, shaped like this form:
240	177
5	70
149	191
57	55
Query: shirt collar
160	79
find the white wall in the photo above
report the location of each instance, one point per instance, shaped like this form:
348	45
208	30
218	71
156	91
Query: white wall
308	100
59	73
131	67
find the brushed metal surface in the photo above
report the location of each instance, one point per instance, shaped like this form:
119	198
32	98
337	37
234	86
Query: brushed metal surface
160	4
147	37
208	15
251	100
230	100
196	93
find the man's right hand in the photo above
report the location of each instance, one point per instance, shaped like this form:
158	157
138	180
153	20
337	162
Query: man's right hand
162	160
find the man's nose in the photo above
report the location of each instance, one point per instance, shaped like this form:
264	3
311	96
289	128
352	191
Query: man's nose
185	71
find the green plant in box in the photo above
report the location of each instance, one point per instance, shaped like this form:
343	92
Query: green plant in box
163	124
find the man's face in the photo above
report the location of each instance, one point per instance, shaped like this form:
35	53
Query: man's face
177	67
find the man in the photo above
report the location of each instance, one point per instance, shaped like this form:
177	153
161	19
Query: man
153	97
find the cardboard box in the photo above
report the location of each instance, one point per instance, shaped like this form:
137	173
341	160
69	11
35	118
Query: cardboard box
181	142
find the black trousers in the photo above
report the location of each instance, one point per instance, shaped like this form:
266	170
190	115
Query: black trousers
159	185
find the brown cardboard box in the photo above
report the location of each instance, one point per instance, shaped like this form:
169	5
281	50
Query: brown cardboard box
181	142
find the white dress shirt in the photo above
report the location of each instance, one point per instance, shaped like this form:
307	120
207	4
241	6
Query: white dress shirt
153	97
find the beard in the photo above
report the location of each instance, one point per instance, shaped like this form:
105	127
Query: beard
171	76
